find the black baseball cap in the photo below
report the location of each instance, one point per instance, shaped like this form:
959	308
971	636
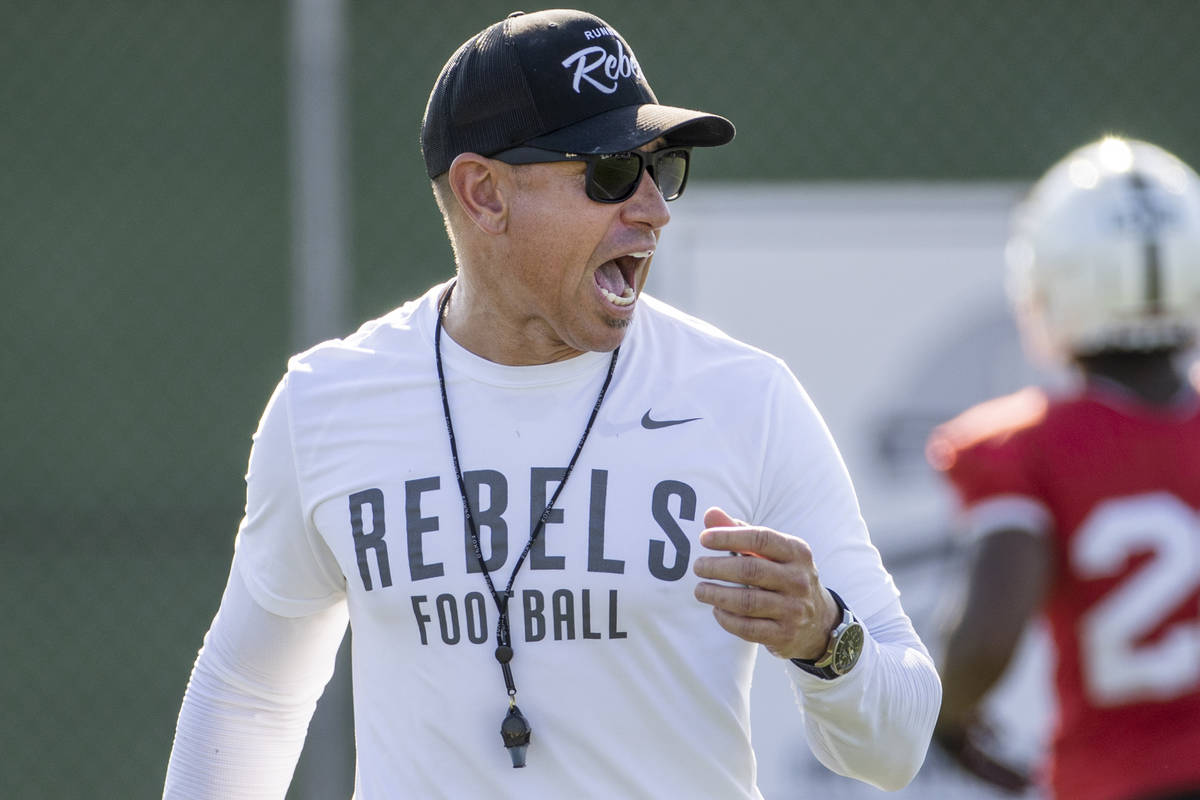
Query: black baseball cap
559	79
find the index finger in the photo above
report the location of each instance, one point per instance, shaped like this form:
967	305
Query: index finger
752	539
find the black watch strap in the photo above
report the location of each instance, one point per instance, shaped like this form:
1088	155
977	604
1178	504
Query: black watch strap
812	669
827	672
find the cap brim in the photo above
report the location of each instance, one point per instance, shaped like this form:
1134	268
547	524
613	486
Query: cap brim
630	127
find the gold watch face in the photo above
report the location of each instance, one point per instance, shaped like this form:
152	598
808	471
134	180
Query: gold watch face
847	649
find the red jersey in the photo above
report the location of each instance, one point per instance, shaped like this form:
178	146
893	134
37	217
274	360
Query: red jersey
1117	487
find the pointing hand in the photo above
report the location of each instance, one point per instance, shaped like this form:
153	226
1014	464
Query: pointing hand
778	599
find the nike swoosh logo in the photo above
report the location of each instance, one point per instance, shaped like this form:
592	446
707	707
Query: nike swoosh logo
653	424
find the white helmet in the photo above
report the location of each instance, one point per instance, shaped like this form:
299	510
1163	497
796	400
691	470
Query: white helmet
1105	253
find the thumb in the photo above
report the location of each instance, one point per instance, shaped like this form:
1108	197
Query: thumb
716	517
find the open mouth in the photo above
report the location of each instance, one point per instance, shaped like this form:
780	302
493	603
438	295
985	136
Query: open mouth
616	278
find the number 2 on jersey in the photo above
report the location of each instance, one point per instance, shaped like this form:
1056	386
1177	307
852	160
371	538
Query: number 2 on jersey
1119	667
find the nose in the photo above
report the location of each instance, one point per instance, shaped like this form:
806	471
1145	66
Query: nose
646	206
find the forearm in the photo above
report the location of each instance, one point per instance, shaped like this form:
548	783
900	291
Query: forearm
1003	590
231	745
970	668
874	724
250	698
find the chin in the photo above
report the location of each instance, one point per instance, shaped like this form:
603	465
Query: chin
606	342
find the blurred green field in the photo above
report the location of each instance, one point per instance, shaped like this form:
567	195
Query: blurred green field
95	669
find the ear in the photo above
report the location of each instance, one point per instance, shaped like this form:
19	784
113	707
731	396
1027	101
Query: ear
478	184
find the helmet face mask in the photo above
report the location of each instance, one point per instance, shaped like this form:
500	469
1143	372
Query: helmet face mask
1104	253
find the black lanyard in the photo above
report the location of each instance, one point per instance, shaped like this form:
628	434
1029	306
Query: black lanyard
514	729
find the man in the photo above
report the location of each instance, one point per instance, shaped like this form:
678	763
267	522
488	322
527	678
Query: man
502	483
1084	506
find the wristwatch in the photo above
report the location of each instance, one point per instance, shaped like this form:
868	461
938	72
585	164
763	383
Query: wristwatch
845	646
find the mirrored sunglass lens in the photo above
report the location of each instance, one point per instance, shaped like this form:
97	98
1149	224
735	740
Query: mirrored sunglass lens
614	177
670	173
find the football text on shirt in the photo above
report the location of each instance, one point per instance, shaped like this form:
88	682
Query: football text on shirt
535	612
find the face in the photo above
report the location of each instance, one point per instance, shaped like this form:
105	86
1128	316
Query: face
576	267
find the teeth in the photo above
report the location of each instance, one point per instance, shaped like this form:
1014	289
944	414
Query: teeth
643	254
624	299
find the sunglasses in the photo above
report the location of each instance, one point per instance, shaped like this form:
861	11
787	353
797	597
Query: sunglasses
614	177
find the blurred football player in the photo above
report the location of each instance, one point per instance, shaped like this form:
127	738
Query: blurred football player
1085	507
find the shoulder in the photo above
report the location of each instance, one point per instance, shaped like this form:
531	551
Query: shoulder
993	456
753	394
987	425
667	332
382	345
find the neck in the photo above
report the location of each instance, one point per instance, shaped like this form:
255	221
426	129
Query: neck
1153	376
480	327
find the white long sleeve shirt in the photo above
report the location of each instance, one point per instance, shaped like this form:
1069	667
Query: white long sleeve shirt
630	686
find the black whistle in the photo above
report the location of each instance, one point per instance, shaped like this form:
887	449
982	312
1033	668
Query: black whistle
515	732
